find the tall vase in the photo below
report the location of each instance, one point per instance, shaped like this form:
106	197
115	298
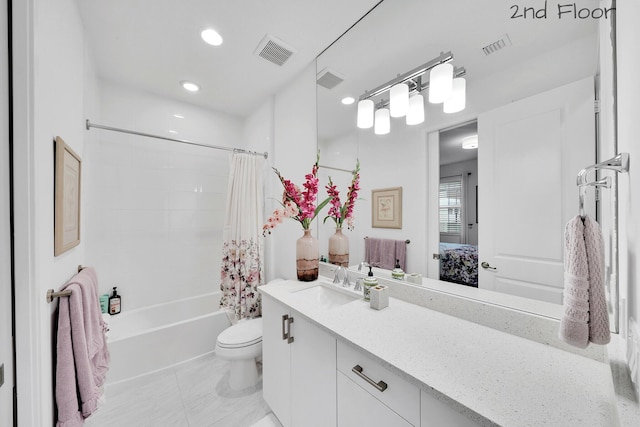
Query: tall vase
339	248
307	262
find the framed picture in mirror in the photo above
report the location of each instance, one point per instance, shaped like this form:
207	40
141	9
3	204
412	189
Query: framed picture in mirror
67	198
386	209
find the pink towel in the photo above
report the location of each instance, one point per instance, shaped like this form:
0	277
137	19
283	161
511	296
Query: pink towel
383	253
585	318
82	354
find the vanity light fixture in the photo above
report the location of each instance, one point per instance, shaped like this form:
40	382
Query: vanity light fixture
348	100
470	142
211	37
365	114
441	83
399	100
382	122
404	88
458	100
415	115
190	86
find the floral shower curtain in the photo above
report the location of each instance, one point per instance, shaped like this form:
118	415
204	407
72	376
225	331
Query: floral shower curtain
242	251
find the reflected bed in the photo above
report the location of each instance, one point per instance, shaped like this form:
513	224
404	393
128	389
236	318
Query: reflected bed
459	264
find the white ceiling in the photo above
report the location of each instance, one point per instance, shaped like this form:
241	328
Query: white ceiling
154	44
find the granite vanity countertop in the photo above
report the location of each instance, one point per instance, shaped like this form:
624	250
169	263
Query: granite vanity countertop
493	377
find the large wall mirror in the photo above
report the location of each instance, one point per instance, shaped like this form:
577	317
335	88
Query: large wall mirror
531	83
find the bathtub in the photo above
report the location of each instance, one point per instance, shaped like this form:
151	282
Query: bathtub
152	338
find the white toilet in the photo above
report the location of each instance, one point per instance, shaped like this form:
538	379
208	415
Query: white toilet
242	344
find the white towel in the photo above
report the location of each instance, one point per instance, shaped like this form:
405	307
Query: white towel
585	318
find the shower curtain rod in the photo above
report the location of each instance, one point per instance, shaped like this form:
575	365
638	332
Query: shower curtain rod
183	141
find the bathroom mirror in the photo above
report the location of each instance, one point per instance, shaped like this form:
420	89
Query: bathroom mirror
510	57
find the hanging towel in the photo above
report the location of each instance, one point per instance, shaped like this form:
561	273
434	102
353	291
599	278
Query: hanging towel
585	317
82	357
382	253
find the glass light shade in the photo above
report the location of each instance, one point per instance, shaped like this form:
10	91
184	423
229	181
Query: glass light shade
440	83
365	114
470	142
415	115
458	100
383	122
399	100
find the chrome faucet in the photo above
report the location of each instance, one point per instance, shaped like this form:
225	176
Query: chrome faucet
363	264
336	274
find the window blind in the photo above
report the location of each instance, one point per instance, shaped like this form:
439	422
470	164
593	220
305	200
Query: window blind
451	205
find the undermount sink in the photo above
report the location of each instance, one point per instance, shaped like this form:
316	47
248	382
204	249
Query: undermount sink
325	297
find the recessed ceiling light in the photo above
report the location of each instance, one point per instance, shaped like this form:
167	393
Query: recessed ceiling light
211	36
172	131
348	100
178	116
190	86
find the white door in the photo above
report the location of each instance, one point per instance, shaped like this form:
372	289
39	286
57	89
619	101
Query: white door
313	376
529	154
6	342
276	358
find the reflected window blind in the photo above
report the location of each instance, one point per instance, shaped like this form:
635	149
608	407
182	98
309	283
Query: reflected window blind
451	205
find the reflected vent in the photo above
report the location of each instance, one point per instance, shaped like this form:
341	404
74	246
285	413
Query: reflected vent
497	45
328	78
274	50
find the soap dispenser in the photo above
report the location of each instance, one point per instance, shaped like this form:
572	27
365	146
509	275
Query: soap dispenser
114	302
368	283
397	272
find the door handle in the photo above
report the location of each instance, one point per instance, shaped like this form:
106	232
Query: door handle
286	324
289	336
487	266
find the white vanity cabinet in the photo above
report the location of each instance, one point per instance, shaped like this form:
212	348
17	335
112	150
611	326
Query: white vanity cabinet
370	394
299	368
435	413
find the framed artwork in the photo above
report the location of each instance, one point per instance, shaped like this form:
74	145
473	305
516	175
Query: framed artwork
386	209
67	198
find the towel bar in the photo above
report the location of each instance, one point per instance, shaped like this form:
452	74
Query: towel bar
406	241
51	293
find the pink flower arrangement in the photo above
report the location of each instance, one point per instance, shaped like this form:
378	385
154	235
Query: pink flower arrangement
296	204
339	212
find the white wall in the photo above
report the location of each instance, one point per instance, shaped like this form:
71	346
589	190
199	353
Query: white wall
53	86
155	209
6	347
294	153
628	56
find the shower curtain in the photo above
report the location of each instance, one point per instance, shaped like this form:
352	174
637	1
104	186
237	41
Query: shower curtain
242	250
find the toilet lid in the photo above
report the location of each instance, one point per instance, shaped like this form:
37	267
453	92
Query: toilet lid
242	334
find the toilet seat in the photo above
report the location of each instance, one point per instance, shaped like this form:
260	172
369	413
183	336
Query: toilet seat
243	334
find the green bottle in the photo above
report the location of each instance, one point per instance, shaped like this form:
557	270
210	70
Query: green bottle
368	283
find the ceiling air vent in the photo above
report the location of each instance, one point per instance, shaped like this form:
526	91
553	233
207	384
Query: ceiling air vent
497	45
328	78
274	50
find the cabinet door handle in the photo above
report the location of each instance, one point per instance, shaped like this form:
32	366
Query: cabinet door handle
380	385
285	335
289	336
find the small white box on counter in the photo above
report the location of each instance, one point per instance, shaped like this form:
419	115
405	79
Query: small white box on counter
379	297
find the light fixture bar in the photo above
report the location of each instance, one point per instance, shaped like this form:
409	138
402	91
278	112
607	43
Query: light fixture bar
442	59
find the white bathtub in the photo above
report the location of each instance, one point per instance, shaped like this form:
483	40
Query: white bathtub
152	338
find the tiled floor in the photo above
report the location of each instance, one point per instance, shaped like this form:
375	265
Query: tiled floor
194	394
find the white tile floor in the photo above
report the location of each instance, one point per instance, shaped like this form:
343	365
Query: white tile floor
193	394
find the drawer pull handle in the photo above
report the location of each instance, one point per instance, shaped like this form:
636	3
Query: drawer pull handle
380	385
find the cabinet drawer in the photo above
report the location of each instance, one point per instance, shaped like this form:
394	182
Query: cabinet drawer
399	395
